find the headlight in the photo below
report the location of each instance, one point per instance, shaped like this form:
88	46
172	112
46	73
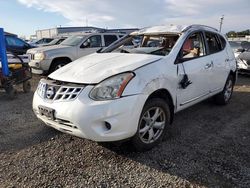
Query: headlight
41	88
39	56
111	88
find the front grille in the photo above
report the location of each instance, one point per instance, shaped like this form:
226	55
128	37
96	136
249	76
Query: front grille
57	91
67	93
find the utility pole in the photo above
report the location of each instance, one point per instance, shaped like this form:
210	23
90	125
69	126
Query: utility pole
221	21
87	21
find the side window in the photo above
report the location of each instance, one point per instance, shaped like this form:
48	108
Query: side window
212	43
94	41
48	40
222	41
109	39
193	47
12	41
59	41
40	41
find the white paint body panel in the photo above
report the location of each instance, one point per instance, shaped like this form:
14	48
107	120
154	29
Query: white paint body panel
152	73
96	67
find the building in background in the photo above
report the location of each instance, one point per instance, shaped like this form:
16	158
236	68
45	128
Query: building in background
65	31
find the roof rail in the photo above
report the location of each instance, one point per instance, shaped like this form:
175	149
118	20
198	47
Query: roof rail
198	25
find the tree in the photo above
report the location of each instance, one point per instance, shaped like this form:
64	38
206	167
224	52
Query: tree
233	34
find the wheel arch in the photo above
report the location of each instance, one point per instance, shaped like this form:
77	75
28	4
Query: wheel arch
56	59
166	96
234	74
65	58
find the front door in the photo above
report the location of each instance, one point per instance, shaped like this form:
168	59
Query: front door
194	72
90	45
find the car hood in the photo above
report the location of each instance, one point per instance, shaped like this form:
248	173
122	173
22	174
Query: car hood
96	67
47	48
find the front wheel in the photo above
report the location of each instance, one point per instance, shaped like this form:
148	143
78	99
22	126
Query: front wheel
224	97
154	124
57	65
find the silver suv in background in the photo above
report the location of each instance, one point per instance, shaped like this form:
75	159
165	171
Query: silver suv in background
50	58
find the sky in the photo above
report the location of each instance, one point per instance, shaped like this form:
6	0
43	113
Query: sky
24	17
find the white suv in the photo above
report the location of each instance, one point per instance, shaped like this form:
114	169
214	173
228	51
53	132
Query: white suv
50	58
123	92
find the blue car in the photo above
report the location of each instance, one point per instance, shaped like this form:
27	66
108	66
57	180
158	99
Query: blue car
16	45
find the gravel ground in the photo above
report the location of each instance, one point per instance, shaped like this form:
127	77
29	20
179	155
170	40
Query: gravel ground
210	147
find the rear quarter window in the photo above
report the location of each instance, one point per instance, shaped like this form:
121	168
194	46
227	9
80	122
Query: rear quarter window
222	42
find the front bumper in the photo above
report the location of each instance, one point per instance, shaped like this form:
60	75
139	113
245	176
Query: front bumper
40	67
86	118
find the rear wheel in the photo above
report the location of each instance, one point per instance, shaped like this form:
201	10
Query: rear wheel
154	124
224	97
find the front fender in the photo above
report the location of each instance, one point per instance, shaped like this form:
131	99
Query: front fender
153	77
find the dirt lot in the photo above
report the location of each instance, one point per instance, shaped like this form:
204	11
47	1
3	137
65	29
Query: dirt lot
210	147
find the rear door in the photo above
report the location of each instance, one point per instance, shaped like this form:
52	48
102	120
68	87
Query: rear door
219	61
196	65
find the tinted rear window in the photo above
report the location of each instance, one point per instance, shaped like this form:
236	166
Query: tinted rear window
222	41
214	45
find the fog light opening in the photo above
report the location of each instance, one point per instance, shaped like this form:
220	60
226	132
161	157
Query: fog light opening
107	125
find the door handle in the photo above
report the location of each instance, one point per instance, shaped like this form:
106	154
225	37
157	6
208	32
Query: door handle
209	65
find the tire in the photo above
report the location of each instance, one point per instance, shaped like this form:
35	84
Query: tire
151	130
224	97
57	65
11	92
26	87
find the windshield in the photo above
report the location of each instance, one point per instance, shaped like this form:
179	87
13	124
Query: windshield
56	41
144	44
73	40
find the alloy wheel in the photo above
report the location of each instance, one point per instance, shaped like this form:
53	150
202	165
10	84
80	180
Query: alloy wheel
152	125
